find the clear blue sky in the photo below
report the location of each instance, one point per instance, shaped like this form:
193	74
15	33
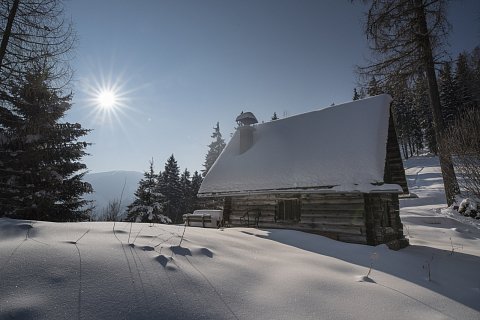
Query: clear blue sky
181	66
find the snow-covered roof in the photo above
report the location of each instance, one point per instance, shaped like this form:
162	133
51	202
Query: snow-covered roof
336	149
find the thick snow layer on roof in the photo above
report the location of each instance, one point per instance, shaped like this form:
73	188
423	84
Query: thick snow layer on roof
342	148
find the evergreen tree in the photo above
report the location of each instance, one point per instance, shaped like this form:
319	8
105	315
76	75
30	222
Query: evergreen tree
408	124
448	94
196	183
149	202
424	112
186	203
215	148
362	94
40	168
475	66
464	79
169	186
356	96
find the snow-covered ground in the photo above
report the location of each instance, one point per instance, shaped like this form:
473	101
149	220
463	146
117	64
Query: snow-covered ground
100	271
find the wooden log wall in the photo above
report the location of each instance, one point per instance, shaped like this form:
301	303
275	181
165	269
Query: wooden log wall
349	217
265	203
383	218
338	216
208	203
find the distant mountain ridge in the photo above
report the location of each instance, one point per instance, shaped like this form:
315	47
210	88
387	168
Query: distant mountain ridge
108	186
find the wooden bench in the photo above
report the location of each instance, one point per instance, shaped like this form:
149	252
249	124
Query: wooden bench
204	218
198	218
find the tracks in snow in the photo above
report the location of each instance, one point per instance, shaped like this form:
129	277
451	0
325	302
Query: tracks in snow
80	274
185	267
416	177
27	237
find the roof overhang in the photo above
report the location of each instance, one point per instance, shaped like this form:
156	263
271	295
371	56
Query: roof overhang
373	188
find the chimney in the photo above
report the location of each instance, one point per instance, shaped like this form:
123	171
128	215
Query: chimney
245	121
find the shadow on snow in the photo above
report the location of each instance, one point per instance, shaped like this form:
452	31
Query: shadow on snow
408	264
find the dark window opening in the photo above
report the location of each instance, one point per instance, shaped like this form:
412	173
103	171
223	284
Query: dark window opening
288	210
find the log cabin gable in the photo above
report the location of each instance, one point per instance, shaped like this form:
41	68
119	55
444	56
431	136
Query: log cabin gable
394	172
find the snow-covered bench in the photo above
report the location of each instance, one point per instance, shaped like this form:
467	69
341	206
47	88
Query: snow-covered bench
204	218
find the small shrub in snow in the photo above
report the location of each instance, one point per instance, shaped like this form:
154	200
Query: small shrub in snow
469	207
111	212
454	247
463	143
152	213
373	257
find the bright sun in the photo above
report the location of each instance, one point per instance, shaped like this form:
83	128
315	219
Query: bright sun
107	99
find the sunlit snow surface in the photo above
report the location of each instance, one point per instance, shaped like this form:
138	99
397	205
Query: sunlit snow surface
89	270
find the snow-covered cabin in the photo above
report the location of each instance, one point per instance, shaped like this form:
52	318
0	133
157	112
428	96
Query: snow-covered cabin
335	171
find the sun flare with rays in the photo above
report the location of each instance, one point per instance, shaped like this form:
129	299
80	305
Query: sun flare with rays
107	99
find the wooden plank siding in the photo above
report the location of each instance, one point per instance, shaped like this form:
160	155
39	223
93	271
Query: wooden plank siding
349	217
338	216
394	172
241	205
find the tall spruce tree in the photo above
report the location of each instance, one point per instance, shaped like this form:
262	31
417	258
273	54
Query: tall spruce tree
424	112
215	148
464	80
149	202
186	202
448	94
40	169
196	183
356	96
169	186
408	125
475	62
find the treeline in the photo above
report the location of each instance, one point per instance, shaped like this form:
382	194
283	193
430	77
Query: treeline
459	87
165	196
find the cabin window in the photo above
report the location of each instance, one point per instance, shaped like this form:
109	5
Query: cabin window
288	210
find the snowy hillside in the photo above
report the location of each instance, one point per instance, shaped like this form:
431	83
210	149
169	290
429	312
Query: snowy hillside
133	271
108	187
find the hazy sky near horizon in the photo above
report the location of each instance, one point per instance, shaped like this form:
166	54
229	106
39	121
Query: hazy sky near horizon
181	66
